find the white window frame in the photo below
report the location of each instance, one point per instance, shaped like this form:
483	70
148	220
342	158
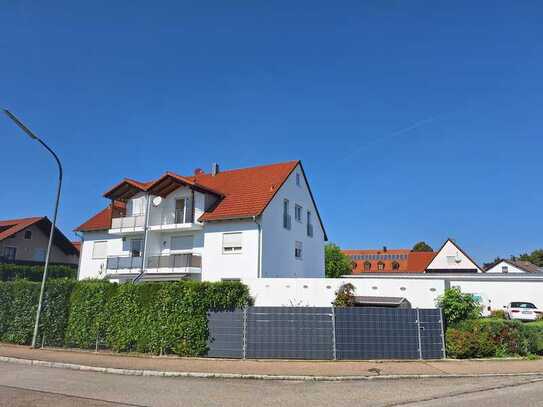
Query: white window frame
298	210
298	250
231	248
94	257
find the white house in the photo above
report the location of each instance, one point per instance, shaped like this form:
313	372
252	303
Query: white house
237	224
450	258
514	266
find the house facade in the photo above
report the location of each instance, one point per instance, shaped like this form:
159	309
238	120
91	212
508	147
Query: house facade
25	240
513	266
223	225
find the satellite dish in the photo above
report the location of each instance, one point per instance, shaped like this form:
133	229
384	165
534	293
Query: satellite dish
157	200
457	259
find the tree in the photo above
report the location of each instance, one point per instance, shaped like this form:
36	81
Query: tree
457	306
345	296
535	257
336	263
422	247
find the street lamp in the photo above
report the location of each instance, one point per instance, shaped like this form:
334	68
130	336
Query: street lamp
51	234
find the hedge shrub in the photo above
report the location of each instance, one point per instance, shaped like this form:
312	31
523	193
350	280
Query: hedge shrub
9	272
491	337
88	316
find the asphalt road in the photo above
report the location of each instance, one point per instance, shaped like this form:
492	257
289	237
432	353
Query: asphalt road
36	386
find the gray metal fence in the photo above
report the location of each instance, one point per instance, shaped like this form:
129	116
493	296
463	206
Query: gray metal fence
327	333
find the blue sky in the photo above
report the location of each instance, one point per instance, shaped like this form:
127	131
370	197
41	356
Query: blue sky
414	120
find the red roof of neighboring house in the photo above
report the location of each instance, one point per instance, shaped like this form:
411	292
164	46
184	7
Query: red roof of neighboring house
77	245
407	261
9	227
243	193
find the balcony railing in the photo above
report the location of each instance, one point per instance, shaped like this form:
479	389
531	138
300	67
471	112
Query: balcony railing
171	217
124	262
173	261
128	222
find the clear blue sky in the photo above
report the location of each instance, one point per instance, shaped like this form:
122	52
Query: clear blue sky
414	121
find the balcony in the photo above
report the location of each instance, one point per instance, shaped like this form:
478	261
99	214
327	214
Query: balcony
173	220
127	225
124	263
187	263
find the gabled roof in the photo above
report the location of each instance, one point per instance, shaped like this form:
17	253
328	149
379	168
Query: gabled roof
478	268
242	193
415	262
526	266
10	227
102	220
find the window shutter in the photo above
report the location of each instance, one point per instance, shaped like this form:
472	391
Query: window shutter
232	240
99	250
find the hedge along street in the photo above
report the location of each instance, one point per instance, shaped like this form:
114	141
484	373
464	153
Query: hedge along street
148	317
9	272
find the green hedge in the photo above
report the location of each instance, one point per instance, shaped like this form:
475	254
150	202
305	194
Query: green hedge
158	318
492	337
18	304
10	272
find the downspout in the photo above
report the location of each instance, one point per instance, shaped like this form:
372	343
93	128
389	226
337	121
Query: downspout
259	252
145	232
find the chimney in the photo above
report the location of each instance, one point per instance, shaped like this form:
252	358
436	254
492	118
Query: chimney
198	171
214	169
385	249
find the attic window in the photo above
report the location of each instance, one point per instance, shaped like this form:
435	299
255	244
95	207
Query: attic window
298	179
28	235
505	269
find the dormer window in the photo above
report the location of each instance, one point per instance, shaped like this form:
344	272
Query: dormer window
367	266
380	266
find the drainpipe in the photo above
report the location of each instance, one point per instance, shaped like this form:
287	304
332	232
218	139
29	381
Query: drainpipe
259	253
145	232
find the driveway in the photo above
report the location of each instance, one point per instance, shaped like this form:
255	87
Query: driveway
39	386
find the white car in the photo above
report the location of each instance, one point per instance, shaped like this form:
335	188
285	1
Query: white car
522	311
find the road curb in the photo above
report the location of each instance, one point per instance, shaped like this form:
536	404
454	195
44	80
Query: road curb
203	375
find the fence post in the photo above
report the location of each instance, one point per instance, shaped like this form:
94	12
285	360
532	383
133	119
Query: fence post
334	351
244	332
418	334
442	333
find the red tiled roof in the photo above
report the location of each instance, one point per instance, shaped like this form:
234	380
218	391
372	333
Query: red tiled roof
416	262
77	245
11	226
244	193
102	220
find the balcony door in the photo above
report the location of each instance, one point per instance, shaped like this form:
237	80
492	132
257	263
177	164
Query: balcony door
136	247
180	207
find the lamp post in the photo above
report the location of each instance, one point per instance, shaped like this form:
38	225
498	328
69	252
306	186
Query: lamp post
51	234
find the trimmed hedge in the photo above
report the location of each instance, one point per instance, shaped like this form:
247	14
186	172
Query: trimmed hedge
9	272
492	337
158	318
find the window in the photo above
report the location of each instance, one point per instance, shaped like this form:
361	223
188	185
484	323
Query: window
298	248
181	242
286	215
298	179
451	260
367	266
39	254
505	269
180	210
380	266
232	243
136	247
10	253
395	265
99	250
310	226
298	213
28	235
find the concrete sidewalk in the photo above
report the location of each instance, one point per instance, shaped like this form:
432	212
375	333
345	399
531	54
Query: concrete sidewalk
255	368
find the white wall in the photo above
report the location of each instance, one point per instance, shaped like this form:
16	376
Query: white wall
510	268
96	268
216	264
278	243
421	292
449	249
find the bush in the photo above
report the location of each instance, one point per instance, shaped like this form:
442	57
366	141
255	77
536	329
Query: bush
345	296
9	272
54	316
21	311
491	337
88	316
497	313
457	306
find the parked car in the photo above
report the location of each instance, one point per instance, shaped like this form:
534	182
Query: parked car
522	311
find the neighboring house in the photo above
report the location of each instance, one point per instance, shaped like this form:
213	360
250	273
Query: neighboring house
224	225
513	266
450	258
389	260
24	241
